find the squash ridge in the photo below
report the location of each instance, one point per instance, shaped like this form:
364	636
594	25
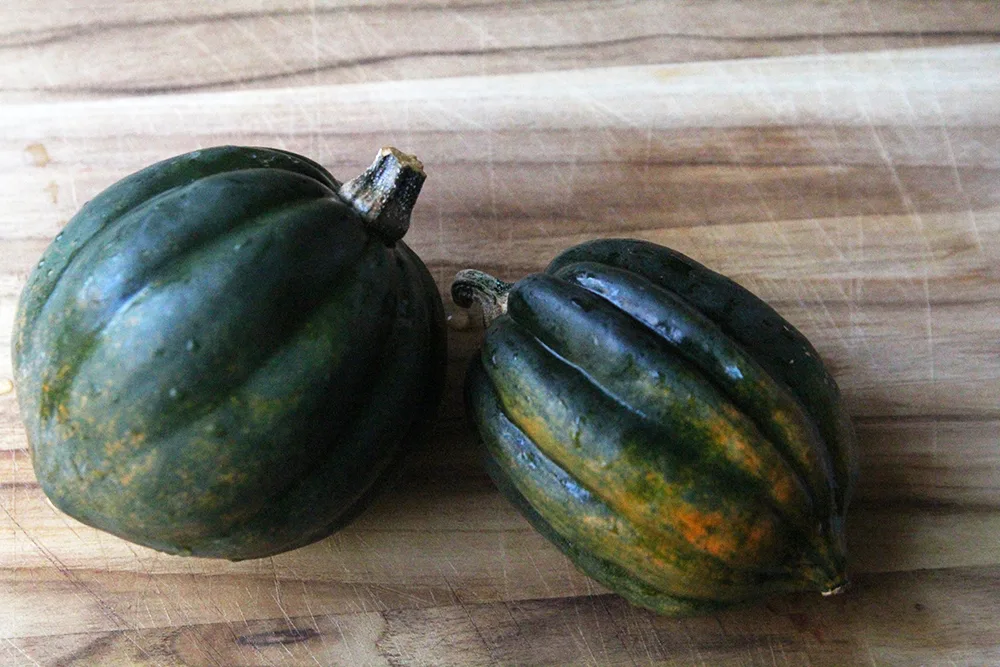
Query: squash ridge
684	468
739	582
381	473
91	340
664	266
136	187
783	443
683	377
507	422
723	476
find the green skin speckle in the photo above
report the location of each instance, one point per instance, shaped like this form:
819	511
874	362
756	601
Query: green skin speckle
642	413
220	359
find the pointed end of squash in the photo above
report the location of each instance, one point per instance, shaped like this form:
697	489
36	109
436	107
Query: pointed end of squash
836	589
824	566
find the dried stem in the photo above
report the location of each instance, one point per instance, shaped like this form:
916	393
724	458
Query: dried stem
385	193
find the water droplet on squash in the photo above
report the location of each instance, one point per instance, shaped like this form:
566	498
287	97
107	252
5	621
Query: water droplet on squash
191	345
41	263
173	393
493	360
59	236
50	272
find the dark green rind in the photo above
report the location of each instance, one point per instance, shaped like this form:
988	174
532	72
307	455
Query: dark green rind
631	387
684	334
139	188
543	492
260	392
773	342
619	456
603	571
298	393
633	365
392	411
136	281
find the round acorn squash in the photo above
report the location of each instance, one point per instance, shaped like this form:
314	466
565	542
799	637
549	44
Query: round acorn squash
223	354
671	433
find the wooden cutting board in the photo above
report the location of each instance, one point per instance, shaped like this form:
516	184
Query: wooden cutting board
840	159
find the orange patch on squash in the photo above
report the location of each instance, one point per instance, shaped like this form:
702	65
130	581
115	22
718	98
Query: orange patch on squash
760	533
742	452
783	489
138	467
707	531
536	428
736	446
704	530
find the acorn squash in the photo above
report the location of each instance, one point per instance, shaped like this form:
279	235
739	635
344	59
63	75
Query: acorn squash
665	428
223	354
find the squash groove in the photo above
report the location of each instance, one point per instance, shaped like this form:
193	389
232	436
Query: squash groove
780	348
619	460
137	190
517	462
763	402
83	338
663	427
195	372
660	387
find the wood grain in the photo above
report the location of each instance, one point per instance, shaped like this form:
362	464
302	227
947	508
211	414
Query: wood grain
895	619
142	47
842	160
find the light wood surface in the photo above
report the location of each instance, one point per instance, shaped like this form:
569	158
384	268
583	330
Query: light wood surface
840	159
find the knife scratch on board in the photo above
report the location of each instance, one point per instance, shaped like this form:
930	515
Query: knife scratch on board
22	652
102	605
918	220
952	158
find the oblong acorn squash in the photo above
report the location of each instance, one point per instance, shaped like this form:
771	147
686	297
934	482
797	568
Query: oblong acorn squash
665	428
224	354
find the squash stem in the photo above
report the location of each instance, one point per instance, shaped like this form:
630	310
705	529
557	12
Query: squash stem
471	287
385	193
